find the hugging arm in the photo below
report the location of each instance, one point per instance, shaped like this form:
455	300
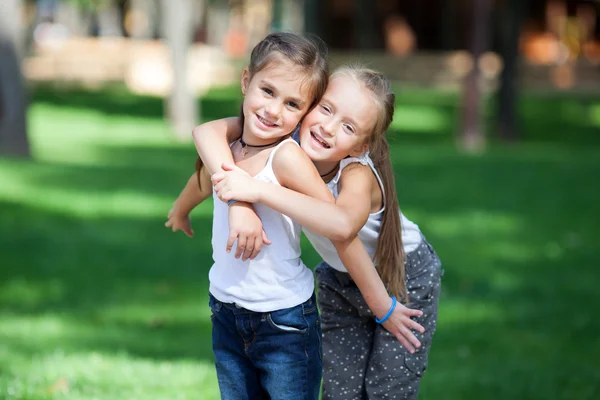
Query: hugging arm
212	140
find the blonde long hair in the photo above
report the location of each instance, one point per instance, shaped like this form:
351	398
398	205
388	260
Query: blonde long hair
389	256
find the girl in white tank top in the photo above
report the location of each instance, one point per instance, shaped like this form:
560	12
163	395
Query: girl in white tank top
266	328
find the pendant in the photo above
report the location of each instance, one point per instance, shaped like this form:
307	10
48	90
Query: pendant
244	151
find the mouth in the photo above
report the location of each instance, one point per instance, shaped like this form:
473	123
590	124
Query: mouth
266	122
318	139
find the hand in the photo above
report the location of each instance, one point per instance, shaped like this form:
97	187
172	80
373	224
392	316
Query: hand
246	227
234	183
177	222
400	325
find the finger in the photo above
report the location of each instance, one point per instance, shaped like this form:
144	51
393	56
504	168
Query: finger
413	313
410	336
218	186
405	343
414	325
230	241
217	177
257	247
170	214
227	166
168	223
188	232
265	238
241	246
248	250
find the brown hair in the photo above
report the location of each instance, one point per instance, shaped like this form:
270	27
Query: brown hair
389	256
307	52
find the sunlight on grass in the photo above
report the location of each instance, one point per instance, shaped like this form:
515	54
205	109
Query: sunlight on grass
461	311
90	375
595	114
414	118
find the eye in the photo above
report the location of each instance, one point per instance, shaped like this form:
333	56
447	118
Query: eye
350	128
267	91
293	104
325	108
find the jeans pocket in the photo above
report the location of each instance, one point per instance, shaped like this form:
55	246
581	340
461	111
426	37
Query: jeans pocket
215	306
289	320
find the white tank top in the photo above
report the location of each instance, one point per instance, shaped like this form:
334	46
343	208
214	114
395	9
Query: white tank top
369	234
277	278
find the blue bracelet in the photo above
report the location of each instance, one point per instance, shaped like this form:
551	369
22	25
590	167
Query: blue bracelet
230	202
392	308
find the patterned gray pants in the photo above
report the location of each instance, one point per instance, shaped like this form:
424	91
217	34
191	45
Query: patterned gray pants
361	360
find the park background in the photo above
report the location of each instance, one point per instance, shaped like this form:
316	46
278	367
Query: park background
495	146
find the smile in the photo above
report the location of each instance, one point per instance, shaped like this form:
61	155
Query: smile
265	122
319	140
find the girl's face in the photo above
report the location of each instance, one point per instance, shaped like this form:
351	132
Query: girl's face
275	99
341	124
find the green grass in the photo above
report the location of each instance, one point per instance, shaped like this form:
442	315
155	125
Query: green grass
99	301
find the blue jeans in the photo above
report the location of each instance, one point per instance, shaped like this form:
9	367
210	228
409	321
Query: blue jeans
271	355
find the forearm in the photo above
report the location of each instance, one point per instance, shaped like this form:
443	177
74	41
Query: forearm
191	196
321	217
357	261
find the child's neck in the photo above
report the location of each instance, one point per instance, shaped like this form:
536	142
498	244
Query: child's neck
327	169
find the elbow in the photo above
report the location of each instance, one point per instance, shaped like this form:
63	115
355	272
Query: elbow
343	231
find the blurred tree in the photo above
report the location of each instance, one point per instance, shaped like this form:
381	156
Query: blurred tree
511	19
13	103
141	19
287	15
364	15
181	106
472	135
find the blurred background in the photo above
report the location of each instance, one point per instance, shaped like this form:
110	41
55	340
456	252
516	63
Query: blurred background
495	145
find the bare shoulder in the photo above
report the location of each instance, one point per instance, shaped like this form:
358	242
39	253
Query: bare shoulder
356	177
289	152
291	165
230	127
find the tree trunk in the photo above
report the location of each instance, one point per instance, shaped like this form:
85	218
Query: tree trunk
364	15
313	17
181	107
292	18
472	136
109	20
510	28
143	14
13	103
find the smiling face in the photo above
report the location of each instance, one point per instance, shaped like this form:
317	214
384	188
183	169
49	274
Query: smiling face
275	99
341	124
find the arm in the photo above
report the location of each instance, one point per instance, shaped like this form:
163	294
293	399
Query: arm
339	221
357	261
212	141
191	196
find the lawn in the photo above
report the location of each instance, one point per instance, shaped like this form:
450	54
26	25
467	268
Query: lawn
99	301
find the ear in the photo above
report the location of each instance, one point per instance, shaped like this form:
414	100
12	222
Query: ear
245	80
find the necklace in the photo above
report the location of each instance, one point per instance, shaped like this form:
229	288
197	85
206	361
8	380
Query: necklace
334	168
254	146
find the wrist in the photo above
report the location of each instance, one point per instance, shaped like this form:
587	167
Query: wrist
382	306
381	320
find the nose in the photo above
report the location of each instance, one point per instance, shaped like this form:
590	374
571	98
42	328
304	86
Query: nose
274	109
328	127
